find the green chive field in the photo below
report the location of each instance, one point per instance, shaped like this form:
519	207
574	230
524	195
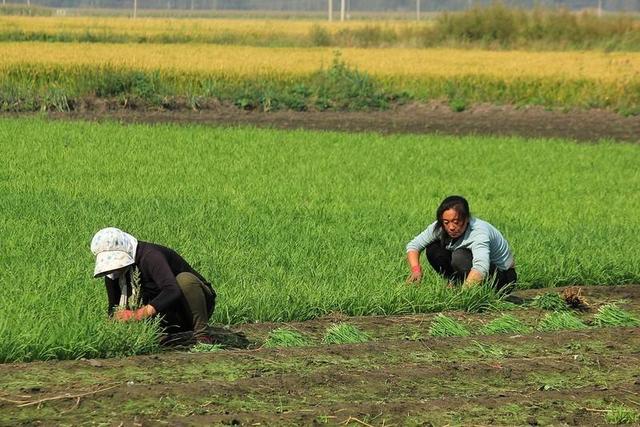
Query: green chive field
303	235
289	225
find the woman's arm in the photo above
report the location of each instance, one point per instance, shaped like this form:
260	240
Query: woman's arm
158	270
480	248
113	294
414	247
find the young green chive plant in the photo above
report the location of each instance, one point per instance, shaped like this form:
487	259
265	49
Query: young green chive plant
549	301
344	333
444	326
560	320
285	338
621	414
612	315
505	324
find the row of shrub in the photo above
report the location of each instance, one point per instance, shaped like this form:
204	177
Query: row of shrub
13	9
497	27
29	87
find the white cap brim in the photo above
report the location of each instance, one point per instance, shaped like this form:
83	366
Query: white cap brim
108	261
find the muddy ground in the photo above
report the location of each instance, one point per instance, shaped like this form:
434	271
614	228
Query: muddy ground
435	117
403	376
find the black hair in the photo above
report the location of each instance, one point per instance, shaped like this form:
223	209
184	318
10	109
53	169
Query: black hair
458	204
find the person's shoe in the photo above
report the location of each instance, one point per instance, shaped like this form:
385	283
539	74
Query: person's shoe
204	339
178	339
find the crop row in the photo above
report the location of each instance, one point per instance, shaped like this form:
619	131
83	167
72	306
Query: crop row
65	80
497	27
609	315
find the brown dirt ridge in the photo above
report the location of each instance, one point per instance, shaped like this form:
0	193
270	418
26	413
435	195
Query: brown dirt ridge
403	376
414	118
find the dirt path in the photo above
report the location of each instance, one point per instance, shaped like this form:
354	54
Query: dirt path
402	377
534	122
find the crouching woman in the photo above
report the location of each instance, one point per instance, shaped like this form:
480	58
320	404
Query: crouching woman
156	279
462	248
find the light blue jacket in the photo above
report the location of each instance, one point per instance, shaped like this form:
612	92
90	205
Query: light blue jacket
485	242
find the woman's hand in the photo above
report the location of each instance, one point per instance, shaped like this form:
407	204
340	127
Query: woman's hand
414	277
139	314
416	274
473	278
123	315
144	312
413	257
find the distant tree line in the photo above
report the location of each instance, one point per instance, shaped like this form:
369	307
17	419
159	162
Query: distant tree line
322	5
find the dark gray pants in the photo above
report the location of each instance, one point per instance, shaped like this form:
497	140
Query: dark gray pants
194	309
455	266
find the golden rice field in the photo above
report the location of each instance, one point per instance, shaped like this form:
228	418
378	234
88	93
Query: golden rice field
195	28
243	60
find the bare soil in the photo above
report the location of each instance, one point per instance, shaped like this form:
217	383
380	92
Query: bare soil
416	118
402	376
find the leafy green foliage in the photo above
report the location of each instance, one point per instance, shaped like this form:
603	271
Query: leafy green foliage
621	414
444	326
499	26
557	321
285	338
344	333
612	315
344	88
551	301
506	324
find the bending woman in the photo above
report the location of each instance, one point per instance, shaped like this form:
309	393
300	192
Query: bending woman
145	280
462	248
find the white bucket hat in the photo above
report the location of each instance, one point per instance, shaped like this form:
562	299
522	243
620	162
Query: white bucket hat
114	249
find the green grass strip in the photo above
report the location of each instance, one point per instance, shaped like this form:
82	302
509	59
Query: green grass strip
276	197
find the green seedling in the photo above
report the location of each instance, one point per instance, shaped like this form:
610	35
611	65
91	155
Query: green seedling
621	414
558	321
444	326
285	338
506	324
344	333
612	315
549	301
